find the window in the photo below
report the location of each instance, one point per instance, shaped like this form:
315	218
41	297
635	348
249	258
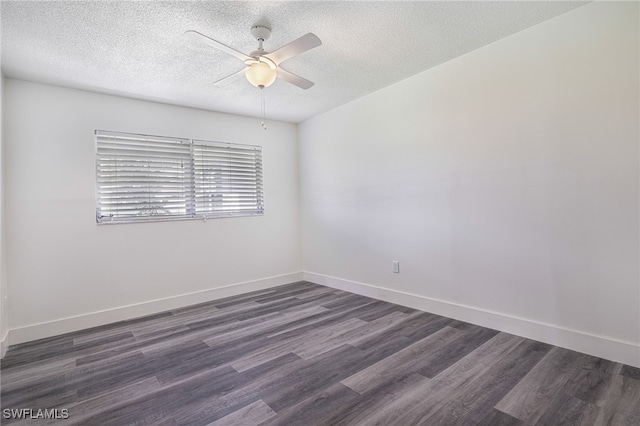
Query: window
145	178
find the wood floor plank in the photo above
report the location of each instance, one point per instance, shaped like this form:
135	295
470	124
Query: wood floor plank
438	391
253	312
325	297
32	374
498	418
104	342
295	292
316	291
226	302
622	404
378	329
119	351
375	310
146	330
567	410
400	363
52	351
426	396
329	368
115	334
631	372
415	327
352	336
472	404
106	401
63	387
530	398
303	354
593	379
263	326
347	300
179	399
311	339
298	327
449	353
382	405
248	387
176	336
315	409
250	415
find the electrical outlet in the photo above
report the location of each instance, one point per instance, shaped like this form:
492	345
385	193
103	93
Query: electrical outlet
396	267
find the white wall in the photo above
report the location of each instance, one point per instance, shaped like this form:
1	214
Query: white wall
4	319
61	264
504	181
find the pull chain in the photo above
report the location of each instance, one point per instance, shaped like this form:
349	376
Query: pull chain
263	110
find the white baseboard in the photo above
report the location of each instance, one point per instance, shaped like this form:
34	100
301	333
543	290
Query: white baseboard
93	319
600	346
4	344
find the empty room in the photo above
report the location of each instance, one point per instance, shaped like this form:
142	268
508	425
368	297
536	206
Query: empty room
320	213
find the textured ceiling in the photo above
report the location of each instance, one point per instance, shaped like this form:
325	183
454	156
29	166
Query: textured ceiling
138	48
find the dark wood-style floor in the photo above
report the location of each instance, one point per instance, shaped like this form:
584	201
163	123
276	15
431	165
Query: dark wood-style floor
303	354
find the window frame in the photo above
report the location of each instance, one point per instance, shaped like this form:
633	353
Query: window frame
244	177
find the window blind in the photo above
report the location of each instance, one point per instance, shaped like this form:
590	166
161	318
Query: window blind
145	178
228	179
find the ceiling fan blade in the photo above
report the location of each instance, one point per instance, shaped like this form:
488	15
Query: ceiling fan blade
297	46
294	79
196	36
230	77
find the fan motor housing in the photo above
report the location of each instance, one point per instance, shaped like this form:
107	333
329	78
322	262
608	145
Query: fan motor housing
260	32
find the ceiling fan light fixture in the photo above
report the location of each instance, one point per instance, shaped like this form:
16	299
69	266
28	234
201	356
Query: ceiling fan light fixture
262	67
260	74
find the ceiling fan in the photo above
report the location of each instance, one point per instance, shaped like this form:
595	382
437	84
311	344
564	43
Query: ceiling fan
263	67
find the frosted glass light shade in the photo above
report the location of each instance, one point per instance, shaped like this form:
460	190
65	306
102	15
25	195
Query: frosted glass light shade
260	74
